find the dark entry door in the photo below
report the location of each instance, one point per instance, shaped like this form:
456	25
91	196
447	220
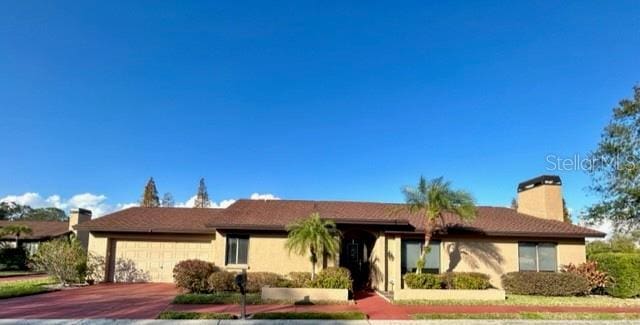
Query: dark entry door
355	257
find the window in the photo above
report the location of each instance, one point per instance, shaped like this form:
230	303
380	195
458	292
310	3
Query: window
237	249
537	257
411	250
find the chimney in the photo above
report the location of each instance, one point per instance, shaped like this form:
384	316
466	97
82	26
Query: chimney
541	197
78	216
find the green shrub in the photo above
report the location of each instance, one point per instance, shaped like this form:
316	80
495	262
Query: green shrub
64	259
13	259
545	284
624	269
257	280
300	279
192	275
465	280
333	278
422	281
221	281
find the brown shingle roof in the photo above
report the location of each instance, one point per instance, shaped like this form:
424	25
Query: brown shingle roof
165	220
39	229
276	214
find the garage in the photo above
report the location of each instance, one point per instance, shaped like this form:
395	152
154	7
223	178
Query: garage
144	260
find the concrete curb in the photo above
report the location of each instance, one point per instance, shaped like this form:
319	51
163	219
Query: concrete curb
292	322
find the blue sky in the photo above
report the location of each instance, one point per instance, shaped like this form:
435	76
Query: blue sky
308	100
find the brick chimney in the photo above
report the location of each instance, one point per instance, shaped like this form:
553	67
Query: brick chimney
78	216
541	197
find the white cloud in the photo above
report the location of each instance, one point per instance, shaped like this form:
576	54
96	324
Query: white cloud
267	196
96	203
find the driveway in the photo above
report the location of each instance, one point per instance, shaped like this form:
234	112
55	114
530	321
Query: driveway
132	301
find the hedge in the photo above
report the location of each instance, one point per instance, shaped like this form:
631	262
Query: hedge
545	284
451	280
333	278
192	275
624	269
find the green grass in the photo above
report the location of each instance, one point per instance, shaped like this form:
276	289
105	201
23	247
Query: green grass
15	273
24	287
192	315
520	300
351	315
216	298
528	315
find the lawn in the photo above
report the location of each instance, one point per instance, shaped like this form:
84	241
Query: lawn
216	298
24	288
528	315
520	300
192	315
16	273
350	315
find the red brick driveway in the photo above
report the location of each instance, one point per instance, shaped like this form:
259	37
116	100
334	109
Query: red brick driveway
130	301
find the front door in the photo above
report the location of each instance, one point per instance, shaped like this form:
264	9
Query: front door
355	258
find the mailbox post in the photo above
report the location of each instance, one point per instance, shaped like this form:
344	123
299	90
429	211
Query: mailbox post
241	282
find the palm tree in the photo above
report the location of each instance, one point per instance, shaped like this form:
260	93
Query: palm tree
15	230
432	198
313	235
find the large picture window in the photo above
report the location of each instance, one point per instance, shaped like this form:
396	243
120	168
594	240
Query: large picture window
237	249
411	250
537	257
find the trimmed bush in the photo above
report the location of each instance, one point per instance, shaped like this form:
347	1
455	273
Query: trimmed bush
422	281
598	279
465	280
221	281
300	279
545	284
192	275
13	259
333	278
257	280
624	269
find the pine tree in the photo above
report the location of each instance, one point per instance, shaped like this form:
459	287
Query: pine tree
150	196
202	197
167	200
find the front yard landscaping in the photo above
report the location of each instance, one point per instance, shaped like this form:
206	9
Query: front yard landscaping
25	288
533	316
192	315
220	298
523	300
350	315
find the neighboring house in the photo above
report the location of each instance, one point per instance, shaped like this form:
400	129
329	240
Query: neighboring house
380	241
42	231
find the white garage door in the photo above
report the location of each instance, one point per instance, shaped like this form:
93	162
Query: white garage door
154	260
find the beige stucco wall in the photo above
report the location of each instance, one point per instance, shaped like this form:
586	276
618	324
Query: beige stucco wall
544	201
304	294
377	260
267	253
497	256
439	294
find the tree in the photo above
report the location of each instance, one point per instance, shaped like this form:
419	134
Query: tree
63	259
615	168
13	210
314	236
15	230
566	215
431	199
150	196
514	204
167	200
202	197
46	214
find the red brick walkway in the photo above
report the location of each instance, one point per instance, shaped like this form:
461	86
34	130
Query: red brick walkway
131	301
